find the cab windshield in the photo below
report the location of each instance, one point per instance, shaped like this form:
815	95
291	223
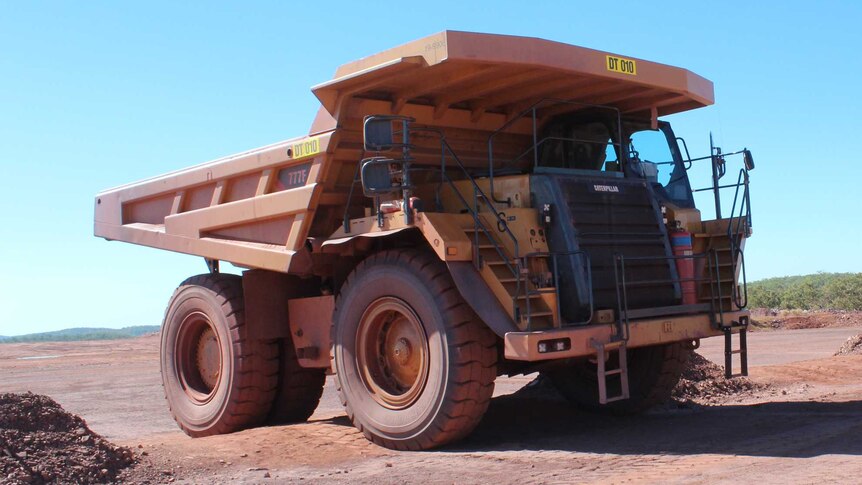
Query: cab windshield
588	145
654	155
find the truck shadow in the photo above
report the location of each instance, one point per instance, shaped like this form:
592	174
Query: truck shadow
522	421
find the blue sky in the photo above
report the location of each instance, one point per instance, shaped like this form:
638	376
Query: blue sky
97	94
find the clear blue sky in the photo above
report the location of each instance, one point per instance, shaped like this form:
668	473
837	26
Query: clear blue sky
97	94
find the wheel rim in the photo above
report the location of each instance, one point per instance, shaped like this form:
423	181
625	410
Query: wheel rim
392	353
198	357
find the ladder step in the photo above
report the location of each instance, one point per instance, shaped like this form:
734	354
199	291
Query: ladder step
742	351
603	373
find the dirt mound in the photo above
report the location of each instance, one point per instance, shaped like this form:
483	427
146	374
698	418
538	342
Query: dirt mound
770	319
42	443
703	381
852	346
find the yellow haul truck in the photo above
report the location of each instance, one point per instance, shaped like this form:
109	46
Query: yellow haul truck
465	206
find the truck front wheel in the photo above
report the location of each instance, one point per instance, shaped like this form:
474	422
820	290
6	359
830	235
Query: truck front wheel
216	379
415	366
653	373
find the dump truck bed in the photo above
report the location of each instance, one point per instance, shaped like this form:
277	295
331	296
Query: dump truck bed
257	209
251	209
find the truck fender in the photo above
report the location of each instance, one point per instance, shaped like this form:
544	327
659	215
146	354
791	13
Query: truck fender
338	244
480	298
283	306
442	236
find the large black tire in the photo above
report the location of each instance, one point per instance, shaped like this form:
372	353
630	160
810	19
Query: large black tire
408	299
299	388
216	379
653	373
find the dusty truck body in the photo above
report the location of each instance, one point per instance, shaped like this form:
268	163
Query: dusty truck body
465	206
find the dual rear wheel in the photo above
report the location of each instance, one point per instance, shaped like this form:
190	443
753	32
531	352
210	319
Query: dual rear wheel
217	378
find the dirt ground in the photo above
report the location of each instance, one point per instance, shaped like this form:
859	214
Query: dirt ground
802	425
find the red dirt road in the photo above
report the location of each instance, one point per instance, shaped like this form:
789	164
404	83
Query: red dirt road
807	427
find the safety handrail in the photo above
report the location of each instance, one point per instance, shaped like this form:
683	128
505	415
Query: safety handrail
738	226
713	278
512	265
719	173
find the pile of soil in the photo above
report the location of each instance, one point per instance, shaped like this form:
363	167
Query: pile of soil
42	443
852	346
703	381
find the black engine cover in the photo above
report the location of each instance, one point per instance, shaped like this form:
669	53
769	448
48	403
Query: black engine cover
604	217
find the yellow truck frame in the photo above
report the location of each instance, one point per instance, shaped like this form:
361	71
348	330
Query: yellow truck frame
383	247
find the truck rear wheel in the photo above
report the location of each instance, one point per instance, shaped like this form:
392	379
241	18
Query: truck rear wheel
299	388
216	379
415	367
653	373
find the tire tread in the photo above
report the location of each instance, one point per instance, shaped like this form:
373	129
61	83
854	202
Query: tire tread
256	362
473	345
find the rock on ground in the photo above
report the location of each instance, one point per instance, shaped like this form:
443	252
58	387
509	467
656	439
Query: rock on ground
703	381
852	346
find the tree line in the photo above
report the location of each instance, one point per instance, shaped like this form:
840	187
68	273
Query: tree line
76	334
821	291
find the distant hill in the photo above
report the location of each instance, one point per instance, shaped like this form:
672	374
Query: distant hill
82	333
821	291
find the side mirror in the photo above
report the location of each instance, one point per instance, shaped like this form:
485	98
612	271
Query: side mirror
748	159
378	133
381	176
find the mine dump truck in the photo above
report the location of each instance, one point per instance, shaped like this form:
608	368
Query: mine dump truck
464	206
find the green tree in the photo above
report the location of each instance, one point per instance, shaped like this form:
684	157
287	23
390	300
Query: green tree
844	293
839	291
